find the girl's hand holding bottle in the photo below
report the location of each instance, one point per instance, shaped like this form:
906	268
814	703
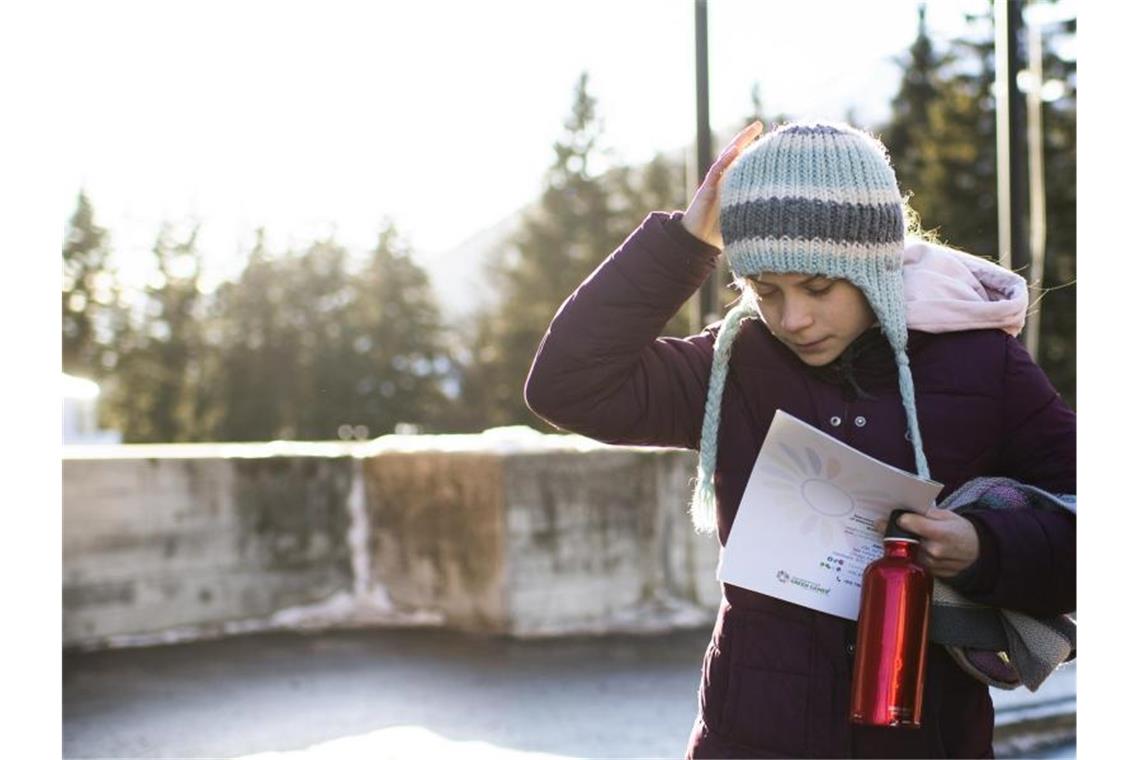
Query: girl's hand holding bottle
949	542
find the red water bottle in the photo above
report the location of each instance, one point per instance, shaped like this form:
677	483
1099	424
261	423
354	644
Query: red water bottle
890	644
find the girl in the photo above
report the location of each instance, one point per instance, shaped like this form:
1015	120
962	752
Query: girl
902	349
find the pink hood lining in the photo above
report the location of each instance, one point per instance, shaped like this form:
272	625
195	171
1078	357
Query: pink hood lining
950	291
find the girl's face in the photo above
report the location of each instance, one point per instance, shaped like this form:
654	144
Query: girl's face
815	316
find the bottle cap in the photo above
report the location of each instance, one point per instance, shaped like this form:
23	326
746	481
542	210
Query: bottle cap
896	532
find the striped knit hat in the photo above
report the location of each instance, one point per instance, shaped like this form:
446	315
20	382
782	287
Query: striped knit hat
813	198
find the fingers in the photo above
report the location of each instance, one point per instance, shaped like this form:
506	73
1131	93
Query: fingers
936	524
729	154
701	217
941	567
749	133
909	522
948	542
745	136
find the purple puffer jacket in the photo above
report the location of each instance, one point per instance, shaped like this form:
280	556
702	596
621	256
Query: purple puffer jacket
776	676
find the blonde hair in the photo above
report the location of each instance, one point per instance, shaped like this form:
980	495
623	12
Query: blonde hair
914	229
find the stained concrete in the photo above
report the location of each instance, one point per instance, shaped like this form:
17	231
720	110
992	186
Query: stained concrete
541	535
157	543
437	534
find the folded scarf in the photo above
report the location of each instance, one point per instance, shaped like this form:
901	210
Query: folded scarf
947	290
1001	647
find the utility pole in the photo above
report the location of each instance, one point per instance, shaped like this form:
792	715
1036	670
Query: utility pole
1036	185
1012	180
708	302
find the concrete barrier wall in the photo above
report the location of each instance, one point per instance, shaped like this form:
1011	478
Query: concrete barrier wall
524	535
601	540
437	534
528	535
151	544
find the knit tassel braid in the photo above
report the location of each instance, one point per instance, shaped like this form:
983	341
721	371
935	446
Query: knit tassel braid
906	388
703	506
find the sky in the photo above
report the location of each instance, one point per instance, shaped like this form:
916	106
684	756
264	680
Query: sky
321	118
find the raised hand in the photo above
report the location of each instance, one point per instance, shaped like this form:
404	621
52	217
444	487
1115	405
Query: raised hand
702	217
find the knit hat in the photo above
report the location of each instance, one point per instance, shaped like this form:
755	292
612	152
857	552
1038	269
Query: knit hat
814	198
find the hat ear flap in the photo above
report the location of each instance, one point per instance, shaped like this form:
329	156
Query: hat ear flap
702	509
884	292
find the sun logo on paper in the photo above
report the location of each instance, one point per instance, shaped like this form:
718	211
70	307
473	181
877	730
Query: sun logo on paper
816	492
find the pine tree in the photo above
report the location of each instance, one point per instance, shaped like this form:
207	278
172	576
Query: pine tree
319	302
395	343
284	335
256	351
308	346
919	89
90	295
154	395
573	228
638	190
950	164
959	168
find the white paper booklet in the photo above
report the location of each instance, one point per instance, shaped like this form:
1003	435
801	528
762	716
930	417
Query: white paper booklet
805	528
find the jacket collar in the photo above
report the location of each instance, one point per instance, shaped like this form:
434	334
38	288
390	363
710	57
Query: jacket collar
867	364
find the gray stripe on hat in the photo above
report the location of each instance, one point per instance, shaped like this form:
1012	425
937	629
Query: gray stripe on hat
808	219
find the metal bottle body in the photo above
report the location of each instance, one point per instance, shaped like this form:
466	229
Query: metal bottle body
890	644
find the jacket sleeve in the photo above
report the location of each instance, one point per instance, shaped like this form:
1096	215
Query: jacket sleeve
1027	558
602	371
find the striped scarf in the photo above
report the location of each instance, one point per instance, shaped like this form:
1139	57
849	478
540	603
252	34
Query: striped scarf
1001	647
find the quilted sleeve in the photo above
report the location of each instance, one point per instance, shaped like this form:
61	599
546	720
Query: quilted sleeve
602	371
1028	557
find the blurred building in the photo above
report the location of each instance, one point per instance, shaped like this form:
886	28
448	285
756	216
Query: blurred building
81	413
